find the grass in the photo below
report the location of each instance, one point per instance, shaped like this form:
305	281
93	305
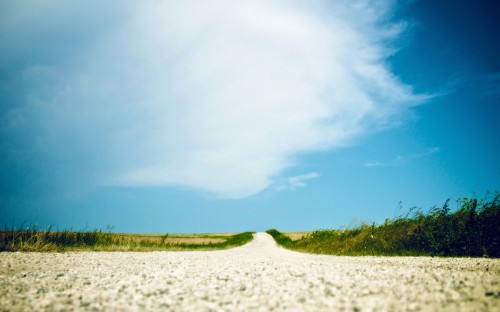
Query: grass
472	230
296	235
33	239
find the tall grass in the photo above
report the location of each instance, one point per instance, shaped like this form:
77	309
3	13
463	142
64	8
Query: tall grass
472	230
33	239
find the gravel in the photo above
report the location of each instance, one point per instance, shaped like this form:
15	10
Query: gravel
259	276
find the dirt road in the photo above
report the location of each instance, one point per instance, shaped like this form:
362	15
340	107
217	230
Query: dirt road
256	277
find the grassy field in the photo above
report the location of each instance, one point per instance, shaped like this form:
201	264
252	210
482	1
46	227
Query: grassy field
472	230
32	239
296	235
174	239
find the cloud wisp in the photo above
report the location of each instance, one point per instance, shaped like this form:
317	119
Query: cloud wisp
398	160
218	96
295	182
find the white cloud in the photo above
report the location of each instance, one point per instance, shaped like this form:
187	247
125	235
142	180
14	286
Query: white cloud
399	159
219	96
296	182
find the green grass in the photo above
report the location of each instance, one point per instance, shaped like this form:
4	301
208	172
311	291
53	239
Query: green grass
32	239
472	230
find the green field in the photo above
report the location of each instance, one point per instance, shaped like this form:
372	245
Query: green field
472	230
32	239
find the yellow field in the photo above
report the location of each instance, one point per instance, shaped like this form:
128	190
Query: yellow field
175	238
296	235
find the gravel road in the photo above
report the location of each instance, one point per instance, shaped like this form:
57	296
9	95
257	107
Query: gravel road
256	277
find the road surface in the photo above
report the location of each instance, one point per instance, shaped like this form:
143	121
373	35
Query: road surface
259	276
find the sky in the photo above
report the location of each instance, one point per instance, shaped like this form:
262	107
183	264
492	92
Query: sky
229	116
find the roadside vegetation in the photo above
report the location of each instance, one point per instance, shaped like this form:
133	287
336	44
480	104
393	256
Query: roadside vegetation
33	239
472	230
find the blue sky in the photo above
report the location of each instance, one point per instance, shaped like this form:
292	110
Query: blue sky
223	116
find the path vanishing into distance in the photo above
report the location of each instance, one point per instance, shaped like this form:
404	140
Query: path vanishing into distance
259	276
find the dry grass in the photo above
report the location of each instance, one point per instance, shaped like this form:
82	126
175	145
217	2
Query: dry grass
296	235
197	239
32	239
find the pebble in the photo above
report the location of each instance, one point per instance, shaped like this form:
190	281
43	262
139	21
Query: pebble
259	276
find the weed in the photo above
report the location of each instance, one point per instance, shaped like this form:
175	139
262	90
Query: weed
473	230
32	239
